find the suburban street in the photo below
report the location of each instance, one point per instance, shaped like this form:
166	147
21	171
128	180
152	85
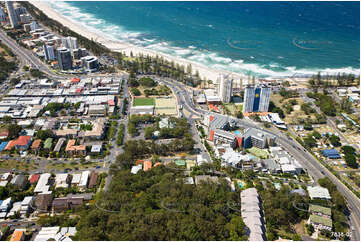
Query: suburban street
311	165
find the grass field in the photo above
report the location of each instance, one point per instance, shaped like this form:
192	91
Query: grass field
263	154
19	165
144	102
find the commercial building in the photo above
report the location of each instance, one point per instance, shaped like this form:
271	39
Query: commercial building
89	63
259	139
252	214
256	99
49	53
64	57
225	88
11	13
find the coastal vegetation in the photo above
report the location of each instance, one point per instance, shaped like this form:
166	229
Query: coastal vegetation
157	205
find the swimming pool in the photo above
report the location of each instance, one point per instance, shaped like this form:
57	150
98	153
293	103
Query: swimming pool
237	132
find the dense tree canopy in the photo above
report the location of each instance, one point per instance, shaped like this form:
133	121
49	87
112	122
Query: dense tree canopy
157	205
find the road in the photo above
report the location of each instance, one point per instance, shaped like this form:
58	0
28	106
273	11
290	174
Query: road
311	165
114	152
329	120
315	169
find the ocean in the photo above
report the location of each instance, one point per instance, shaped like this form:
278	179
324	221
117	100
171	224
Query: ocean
266	39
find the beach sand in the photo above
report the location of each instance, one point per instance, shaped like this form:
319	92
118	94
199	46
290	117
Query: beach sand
119	46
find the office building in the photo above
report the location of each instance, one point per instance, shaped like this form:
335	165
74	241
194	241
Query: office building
64	59
257	138
225	88
19	11
2	15
256	99
11	12
90	63
49	54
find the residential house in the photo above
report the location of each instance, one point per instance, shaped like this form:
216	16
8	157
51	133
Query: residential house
93	179
318	192
19	181
84	180
43	201
35	146
48	143
62	180
75	150
59	144
18	235
252	215
21	143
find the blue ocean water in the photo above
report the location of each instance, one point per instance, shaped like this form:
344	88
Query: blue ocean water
259	38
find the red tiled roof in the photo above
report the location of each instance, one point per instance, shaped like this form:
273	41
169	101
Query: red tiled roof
75	80
36	144
211	135
20	141
211	118
79	90
34	178
139	162
157	164
239	141
147	165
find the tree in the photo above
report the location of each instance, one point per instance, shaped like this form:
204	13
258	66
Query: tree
335	140
7	119
44	134
13	130
240	115
135	91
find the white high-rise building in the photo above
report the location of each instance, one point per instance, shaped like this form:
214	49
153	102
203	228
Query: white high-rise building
256	98
34	25
70	42
225	88
11	12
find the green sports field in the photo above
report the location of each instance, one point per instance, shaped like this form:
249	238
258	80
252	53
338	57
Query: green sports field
144	102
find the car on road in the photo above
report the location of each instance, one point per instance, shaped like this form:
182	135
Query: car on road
97	167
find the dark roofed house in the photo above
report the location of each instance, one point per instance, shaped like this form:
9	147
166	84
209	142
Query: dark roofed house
93	179
60	204
19	181
75	202
43	201
331	154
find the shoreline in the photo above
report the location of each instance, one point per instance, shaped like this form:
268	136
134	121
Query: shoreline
119	46
206	73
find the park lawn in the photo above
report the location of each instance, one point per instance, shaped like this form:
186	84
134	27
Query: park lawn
144	102
18	165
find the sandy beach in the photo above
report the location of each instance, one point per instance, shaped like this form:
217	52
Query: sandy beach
204	71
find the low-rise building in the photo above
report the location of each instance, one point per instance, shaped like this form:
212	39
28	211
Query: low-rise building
252	215
18	235
257	138
62	180
75	150
84	180
320	222
318	192
43	201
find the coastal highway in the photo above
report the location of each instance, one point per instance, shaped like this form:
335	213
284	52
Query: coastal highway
311	165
